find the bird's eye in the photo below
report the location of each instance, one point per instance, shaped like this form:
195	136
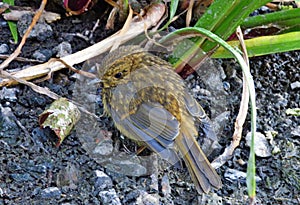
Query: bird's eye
118	75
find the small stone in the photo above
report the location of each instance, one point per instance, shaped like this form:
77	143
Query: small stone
8	94
154	183
4	48
261	145
128	165
165	185
39	168
8	127
109	197
1	192
104	147
295	85
226	86
276	150
51	192
147	199
235	175
63	49
41	31
103	181
211	198
68	176
296	131
42	55
21	177
131	196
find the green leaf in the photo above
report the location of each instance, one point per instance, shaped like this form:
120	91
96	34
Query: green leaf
264	45
223	17
286	18
173	9
12	25
60	117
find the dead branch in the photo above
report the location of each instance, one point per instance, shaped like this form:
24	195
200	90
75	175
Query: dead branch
19	48
153	15
241	117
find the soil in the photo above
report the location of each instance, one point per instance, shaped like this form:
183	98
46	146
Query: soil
34	171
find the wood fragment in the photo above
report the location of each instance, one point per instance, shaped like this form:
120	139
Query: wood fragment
241	117
137	26
36	17
16	14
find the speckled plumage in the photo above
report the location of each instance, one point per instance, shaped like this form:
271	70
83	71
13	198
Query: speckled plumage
149	102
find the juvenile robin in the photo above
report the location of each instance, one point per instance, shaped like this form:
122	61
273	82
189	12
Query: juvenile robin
150	103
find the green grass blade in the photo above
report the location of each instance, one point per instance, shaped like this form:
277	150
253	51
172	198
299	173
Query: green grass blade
173	9
285	18
223	17
264	45
12	25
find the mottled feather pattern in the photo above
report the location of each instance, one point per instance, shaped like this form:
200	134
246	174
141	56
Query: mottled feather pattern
150	103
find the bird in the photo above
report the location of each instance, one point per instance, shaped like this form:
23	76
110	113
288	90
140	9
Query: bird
150	104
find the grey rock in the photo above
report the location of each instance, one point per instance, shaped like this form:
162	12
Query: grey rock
8	127
295	85
103	181
8	94
51	192
4	48
42	55
41	30
109	197
235	175
296	131
63	49
261	145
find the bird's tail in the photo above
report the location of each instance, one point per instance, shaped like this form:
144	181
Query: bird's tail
202	173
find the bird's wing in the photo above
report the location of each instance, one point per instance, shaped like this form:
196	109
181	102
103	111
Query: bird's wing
197	111
154	126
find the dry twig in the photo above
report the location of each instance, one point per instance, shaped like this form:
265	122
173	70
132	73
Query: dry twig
189	13
19	48
241	117
153	15
17	12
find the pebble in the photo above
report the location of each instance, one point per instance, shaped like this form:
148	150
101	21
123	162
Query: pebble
41	30
104	147
1	192
21	177
51	192
211	198
261	145
154	183
235	175
63	49
128	165
109	197
296	131
295	85
42	54
147	199
4	48
165	185
8	128
68	176
102	181
8	94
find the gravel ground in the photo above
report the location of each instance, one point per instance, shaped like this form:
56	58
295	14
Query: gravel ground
34	171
